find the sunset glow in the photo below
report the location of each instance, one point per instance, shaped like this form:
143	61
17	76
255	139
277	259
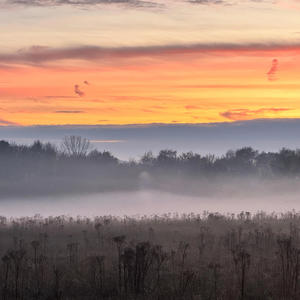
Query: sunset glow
177	62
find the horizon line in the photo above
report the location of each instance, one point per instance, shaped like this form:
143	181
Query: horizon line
208	124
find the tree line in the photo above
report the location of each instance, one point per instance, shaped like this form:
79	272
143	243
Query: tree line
75	166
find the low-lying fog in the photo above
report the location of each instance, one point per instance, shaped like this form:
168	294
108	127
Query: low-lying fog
137	203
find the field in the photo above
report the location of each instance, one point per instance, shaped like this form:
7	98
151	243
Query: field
207	256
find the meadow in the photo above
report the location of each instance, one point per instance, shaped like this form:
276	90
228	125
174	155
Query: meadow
206	256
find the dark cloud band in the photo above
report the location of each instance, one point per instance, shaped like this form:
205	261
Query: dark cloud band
38	55
45	3
69	112
128	3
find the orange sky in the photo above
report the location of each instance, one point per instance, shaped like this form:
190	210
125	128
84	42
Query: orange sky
174	81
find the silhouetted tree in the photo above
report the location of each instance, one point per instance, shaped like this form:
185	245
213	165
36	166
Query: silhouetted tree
75	146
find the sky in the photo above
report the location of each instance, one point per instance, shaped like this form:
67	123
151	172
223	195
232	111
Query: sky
99	62
128	142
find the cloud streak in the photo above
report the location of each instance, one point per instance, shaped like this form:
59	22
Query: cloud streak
78	91
126	3
246	114
39	55
192	107
7	123
47	3
208	2
273	70
69	112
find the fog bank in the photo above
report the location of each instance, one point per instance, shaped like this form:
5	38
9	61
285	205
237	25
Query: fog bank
147	202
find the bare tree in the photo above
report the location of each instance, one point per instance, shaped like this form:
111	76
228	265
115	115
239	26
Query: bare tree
75	146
